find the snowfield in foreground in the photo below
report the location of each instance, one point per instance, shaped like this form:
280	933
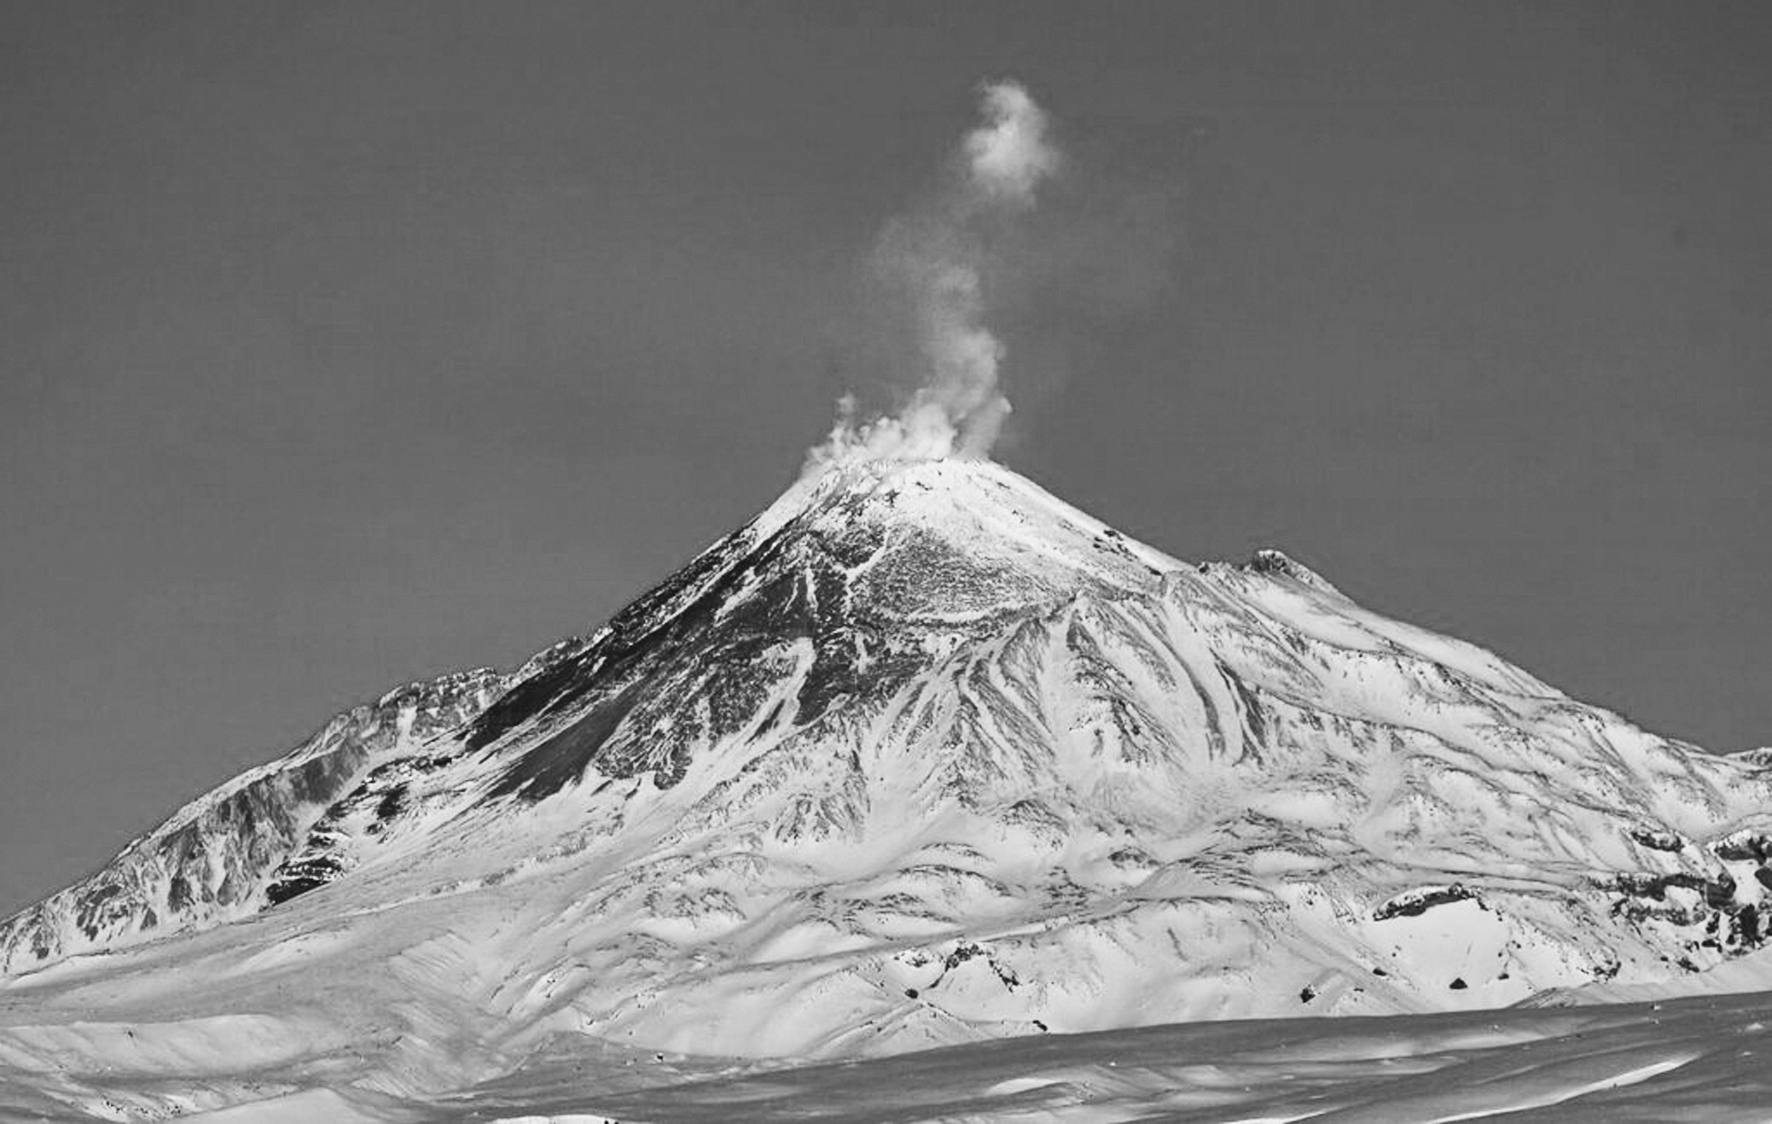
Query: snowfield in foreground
920	760
1692	1059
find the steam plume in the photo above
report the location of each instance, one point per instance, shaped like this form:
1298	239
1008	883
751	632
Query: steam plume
1009	155
940	259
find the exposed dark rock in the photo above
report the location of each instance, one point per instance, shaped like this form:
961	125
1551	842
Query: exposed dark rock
1718	892
1417	902
562	759
527	700
1658	840
296	878
1746	846
959	956
1745	927
178	892
391	803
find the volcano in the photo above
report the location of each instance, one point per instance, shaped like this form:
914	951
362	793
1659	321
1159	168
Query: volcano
920	757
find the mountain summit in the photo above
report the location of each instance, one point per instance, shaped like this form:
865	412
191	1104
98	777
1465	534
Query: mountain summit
921	755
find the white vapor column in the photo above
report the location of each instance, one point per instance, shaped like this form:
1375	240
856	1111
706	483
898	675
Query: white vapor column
939	258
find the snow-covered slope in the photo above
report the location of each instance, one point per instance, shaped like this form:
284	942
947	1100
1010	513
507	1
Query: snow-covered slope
210	862
921	756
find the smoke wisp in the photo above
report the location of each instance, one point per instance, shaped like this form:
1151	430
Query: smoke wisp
939	259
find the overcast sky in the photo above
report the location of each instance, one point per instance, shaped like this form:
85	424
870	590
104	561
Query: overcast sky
342	345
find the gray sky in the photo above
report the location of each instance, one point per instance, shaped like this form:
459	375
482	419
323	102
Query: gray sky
346	344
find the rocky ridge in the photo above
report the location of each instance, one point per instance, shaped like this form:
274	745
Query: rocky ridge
214	859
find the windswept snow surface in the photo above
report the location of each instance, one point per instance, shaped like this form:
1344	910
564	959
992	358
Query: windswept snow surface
921	757
1693	1059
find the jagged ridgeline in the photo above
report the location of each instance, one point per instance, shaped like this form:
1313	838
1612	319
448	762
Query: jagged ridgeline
923	754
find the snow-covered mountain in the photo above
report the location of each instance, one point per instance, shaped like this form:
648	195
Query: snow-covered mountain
208	863
921	755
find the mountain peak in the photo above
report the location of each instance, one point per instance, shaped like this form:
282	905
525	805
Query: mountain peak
993	516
